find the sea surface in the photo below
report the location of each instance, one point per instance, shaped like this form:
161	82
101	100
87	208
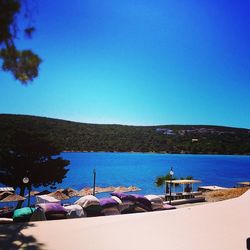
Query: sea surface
141	170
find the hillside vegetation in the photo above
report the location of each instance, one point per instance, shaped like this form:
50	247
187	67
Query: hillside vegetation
74	136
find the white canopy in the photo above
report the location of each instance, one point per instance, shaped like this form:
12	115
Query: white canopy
183	182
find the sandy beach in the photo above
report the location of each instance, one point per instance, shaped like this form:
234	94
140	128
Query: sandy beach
217	226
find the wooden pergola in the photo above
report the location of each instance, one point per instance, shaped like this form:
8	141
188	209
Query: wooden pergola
182	182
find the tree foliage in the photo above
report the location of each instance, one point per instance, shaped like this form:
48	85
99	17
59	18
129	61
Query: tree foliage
73	136
160	180
23	64
30	155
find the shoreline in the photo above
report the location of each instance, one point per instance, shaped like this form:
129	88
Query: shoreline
151	152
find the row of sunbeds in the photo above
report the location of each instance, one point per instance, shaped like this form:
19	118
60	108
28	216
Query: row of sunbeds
89	206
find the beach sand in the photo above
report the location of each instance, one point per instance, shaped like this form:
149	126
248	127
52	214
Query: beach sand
214	226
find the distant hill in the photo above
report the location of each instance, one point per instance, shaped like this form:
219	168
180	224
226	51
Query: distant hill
74	136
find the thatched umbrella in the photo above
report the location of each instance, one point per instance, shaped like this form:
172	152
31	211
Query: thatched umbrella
121	189
12	197
59	195
70	192
43	192
5	194
133	189
105	189
85	191
88	190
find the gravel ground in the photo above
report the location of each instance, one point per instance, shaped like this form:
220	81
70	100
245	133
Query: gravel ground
215	196
220	195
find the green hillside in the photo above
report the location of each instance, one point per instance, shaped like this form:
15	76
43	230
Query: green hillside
74	136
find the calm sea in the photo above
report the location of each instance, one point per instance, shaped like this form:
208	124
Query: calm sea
141	170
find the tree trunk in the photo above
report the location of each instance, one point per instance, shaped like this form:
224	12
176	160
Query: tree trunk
19	204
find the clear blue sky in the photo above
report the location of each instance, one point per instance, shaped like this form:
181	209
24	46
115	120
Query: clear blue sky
138	62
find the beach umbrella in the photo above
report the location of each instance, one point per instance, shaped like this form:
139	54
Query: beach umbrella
85	191
133	189
88	190
59	195
70	192
121	189
12	197
43	192
5	194
105	189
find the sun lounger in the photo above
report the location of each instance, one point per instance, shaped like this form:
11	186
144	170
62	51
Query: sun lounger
75	211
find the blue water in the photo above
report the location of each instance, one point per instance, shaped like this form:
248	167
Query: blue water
141	170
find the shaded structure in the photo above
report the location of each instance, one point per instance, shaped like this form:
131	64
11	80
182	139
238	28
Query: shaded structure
44	192
88	190
122	189
85	191
104	189
5	194
183	182
127	189
187	193
12	198
64	194
70	192
59	195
